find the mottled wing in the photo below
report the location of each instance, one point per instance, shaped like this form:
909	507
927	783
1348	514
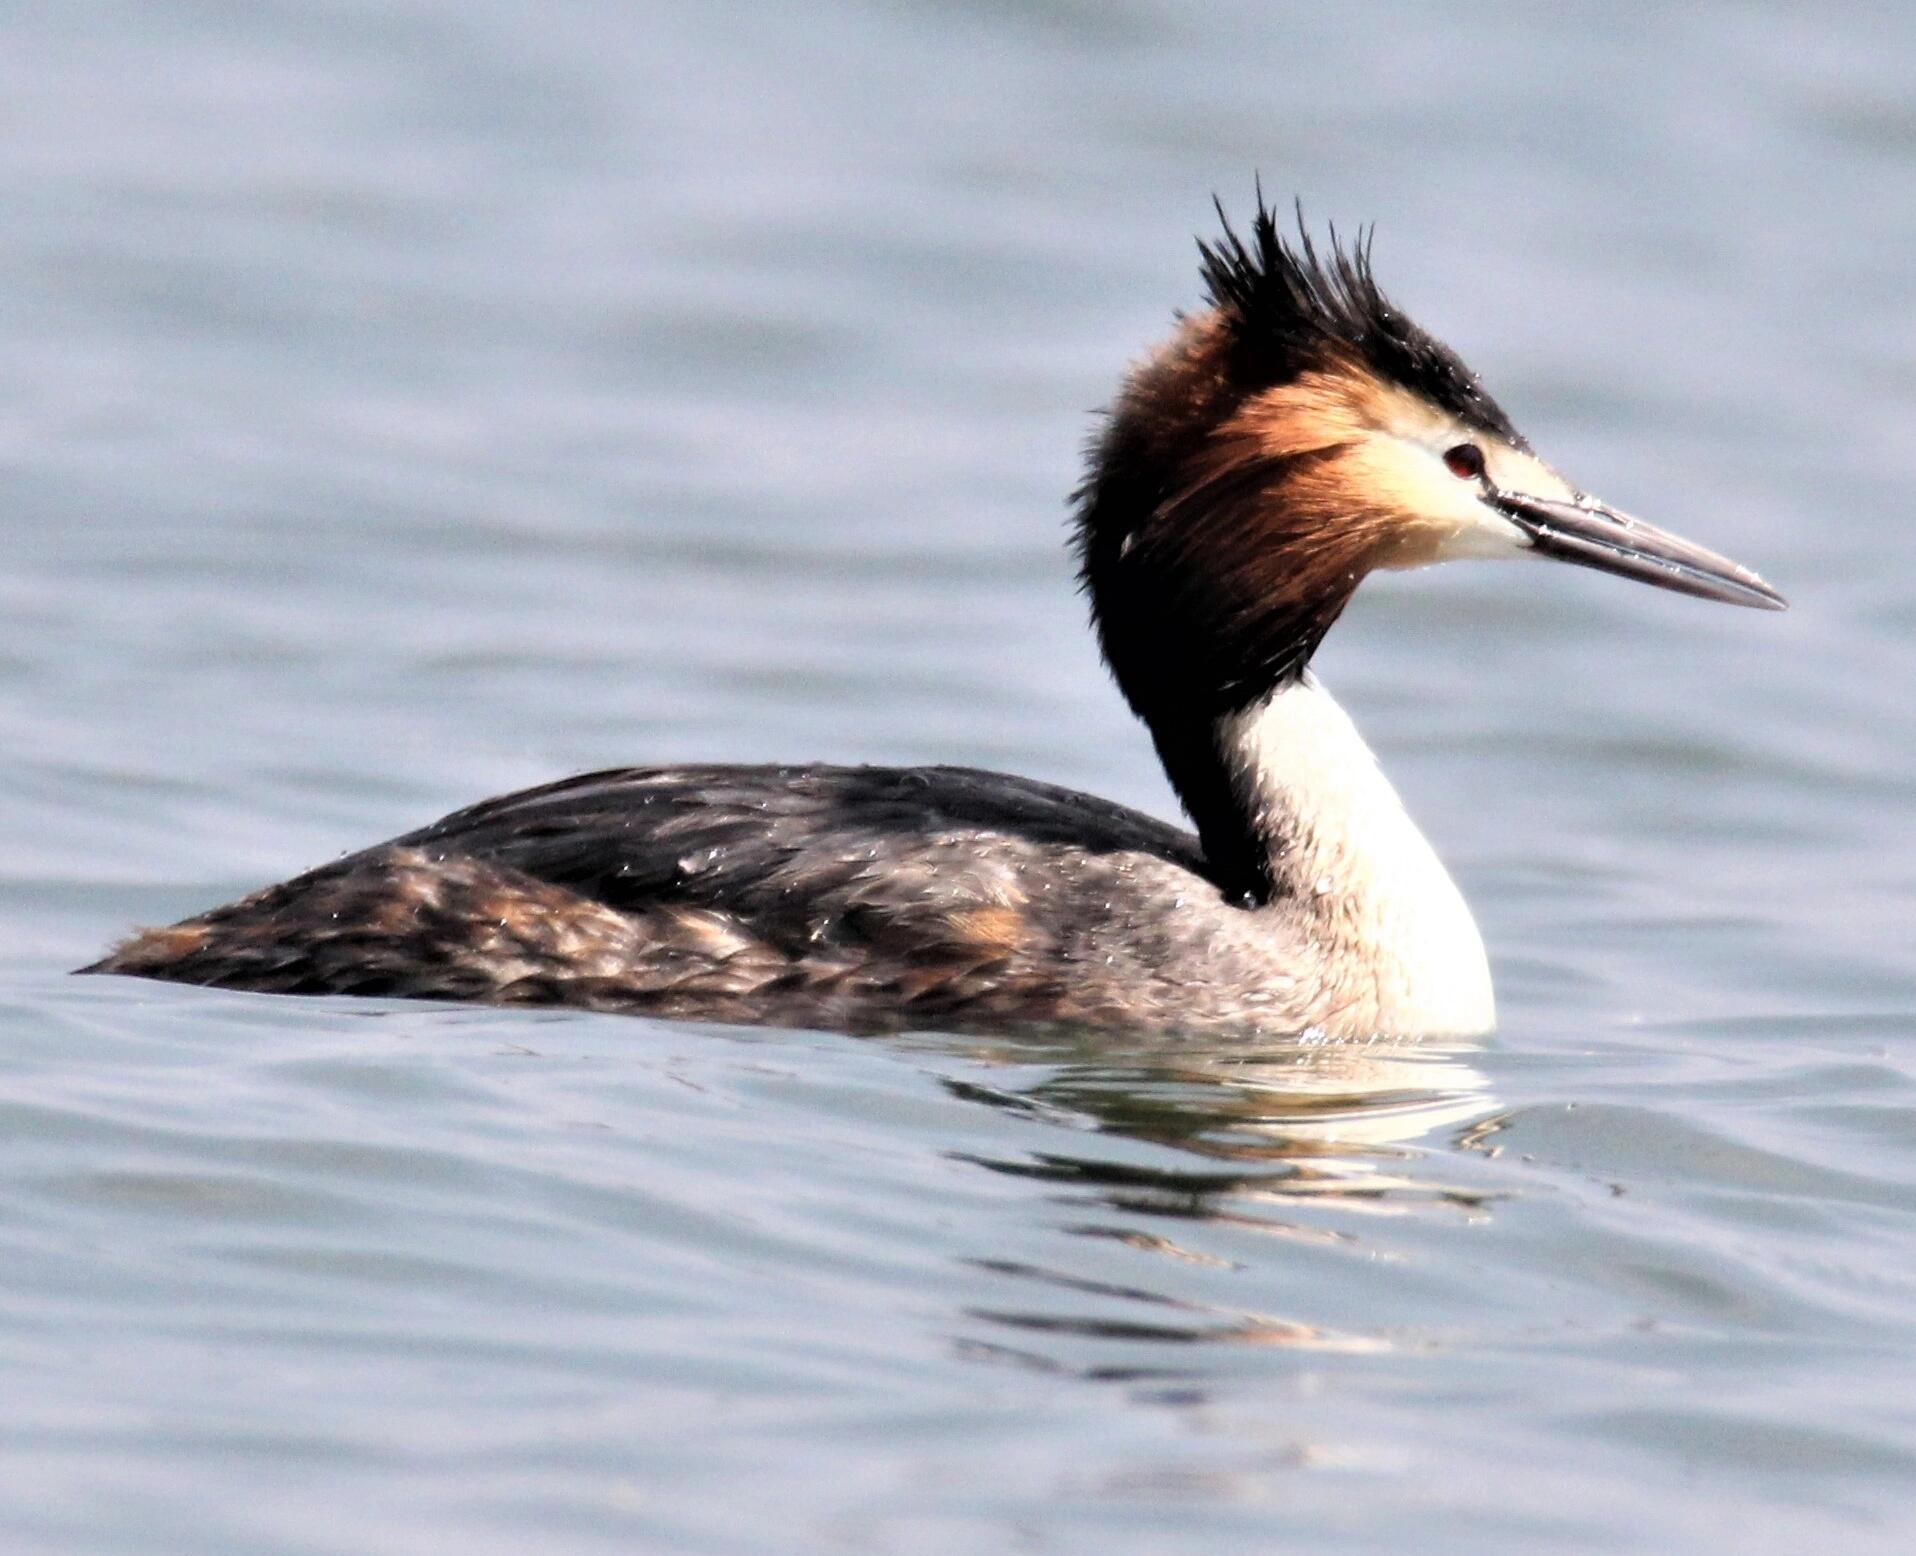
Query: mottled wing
831	896
799	853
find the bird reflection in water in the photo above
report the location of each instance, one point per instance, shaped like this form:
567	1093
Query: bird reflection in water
1301	1141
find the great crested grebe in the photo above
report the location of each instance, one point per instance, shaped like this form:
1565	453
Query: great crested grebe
1288	438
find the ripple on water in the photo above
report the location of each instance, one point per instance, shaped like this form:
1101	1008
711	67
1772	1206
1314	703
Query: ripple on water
414	401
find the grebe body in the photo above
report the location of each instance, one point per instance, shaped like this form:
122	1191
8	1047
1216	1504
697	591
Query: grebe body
1289	438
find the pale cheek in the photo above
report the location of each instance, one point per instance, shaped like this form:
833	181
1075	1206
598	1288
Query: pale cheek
1450	521
1485	536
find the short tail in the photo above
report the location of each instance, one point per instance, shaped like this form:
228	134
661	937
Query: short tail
401	922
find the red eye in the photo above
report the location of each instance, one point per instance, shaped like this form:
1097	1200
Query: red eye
1465	461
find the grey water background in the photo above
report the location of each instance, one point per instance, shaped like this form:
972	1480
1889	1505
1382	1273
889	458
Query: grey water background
401	402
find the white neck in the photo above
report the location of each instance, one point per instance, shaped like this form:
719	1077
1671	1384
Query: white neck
1402	952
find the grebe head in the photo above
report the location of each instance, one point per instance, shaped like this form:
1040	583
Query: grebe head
1288	439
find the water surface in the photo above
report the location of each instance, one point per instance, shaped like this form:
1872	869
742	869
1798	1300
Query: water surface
407	401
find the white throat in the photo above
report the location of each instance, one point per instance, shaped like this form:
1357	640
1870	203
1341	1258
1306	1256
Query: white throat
1352	869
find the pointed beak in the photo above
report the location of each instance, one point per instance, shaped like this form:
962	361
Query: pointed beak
1590	534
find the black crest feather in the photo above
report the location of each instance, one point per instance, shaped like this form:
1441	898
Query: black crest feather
1294	305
